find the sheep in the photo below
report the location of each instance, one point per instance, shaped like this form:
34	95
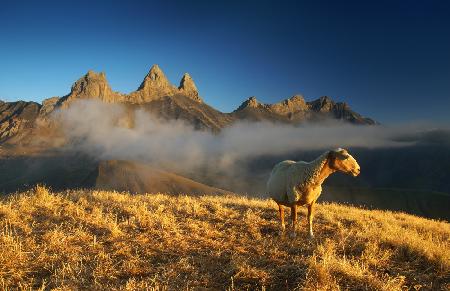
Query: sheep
293	184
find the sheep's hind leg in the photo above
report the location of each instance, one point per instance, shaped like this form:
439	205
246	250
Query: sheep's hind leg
294	219
281	211
310	219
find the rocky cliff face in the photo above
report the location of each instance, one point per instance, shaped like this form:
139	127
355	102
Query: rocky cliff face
48	106
293	105
156	86
17	119
187	87
91	85
159	97
251	103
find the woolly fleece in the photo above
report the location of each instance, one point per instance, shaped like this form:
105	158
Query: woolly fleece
291	181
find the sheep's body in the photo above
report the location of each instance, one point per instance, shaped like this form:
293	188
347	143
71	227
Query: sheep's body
300	183
296	182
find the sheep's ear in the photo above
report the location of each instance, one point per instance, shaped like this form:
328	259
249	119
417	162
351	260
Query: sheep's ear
343	151
341	155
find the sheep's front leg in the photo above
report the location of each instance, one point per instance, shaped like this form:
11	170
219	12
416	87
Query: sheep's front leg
310	219
294	219
281	211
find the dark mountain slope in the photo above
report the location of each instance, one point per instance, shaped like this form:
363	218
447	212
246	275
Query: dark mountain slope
70	170
141	178
179	107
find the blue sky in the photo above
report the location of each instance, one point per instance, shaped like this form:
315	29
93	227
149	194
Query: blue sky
390	60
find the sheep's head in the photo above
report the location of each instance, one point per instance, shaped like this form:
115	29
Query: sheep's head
341	160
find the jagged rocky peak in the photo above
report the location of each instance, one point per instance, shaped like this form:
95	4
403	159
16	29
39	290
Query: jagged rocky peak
251	102
155	79
323	104
294	104
343	105
154	86
296	100
91	84
187	87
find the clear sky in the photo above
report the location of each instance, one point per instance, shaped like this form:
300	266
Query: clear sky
390	60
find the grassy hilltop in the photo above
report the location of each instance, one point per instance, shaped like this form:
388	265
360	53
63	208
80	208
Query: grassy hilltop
85	239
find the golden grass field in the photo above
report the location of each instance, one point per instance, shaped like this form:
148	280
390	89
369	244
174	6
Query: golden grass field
96	240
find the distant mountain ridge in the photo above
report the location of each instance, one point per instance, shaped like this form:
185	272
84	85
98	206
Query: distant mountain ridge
297	110
159	97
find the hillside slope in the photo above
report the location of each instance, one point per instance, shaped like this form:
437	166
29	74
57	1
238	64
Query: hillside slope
17	119
142	178
62	171
108	240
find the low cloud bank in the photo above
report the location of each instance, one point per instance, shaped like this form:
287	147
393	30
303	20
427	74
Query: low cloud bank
113	131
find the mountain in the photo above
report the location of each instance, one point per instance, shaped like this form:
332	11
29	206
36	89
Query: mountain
17	119
156	86
297	110
91	85
159	97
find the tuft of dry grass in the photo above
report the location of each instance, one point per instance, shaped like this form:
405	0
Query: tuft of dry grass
85	239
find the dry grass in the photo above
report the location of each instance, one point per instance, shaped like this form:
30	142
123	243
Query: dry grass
105	240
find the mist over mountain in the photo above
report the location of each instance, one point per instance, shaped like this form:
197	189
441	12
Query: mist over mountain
163	137
164	100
